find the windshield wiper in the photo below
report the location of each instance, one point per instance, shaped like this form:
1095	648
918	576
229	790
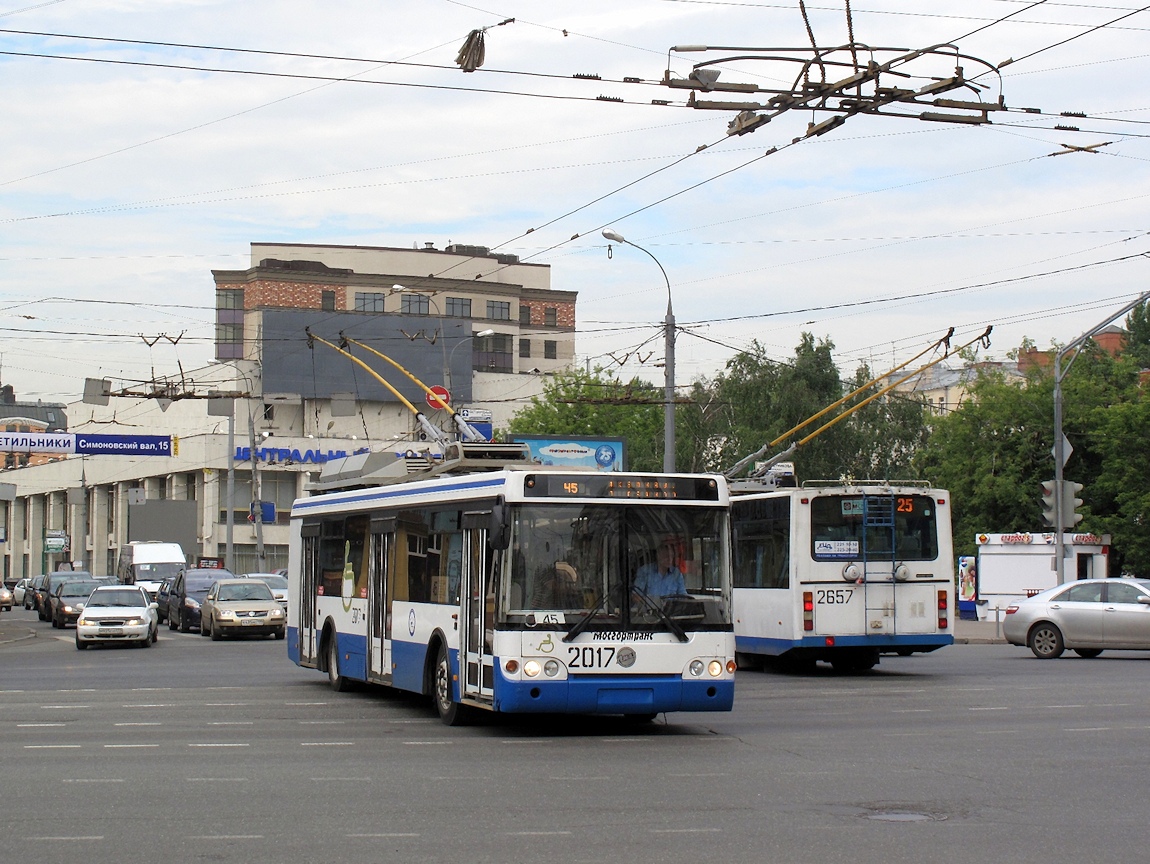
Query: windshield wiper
671	623
582	623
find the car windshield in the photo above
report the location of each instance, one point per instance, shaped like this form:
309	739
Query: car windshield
77	589
200	583
157	572
117	597
276	583
255	590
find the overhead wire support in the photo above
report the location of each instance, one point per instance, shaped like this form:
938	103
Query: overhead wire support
860	92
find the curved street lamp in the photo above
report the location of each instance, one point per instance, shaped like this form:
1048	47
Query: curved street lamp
669	363
403	289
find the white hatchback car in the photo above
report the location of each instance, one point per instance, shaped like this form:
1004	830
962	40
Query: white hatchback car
118	613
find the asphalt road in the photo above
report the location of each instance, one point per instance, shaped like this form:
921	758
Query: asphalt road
195	750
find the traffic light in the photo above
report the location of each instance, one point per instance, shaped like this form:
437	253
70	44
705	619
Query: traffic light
1071	502
1049	503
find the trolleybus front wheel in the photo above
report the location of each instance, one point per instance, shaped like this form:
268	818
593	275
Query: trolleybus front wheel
339	683
450	711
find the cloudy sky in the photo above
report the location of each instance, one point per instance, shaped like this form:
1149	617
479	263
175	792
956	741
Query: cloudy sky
146	142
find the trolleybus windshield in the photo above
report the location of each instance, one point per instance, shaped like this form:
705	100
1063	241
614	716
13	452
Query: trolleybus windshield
584	563
875	527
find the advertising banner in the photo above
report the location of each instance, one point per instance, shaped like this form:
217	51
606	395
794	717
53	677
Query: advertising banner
575	451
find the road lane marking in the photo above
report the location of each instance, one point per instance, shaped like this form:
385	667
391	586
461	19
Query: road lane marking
427	743
227	837
145	723
46	707
125	746
232	723
97	780
37	725
88	837
51	746
991	708
219	745
217	780
326	743
684	830
370	836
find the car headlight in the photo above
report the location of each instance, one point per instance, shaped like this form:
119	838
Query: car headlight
134	622
225	613
277	613
84	622
191	602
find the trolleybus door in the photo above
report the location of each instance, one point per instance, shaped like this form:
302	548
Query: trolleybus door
308	587
379	599
477	614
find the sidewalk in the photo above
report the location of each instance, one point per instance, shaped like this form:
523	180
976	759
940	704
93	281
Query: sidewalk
977	633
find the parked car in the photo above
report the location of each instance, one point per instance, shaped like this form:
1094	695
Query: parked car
1087	617
234	606
187	593
68	602
162	595
30	594
277	583
19	590
6	598
54	581
118	613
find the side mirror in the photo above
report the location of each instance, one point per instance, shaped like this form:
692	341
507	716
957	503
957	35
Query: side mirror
1144	600
153	605
499	528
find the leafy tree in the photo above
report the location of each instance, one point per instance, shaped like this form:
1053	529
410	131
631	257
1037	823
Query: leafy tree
579	402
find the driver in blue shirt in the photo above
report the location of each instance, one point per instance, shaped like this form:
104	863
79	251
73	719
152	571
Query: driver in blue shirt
663	578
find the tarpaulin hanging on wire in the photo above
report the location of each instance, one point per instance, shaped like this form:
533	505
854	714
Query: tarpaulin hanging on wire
470	56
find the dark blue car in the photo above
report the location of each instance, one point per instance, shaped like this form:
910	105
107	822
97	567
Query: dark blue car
186	594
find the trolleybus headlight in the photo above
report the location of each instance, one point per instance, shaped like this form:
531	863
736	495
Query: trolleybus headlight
715	668
696	668
551	668
531	668
512	666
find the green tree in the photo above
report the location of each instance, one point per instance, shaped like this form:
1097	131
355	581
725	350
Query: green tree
579	402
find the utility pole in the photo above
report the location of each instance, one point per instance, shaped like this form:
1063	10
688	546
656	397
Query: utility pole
257	502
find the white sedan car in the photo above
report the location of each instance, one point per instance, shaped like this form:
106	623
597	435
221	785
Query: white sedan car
118	613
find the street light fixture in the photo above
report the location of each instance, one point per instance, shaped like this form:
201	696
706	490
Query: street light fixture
669	364
451	355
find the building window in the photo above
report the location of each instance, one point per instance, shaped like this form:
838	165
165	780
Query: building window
269	412
229	341
550	316
416	304
458	307
499	310
524	347
327	301
550	349
524	314
493	353
230	298
368	302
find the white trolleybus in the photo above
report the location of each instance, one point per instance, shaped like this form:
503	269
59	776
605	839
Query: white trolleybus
841	573
517	588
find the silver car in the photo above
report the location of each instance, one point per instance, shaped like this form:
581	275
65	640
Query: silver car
5	597
1087	617
118	613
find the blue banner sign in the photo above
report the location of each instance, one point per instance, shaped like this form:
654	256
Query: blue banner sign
67	442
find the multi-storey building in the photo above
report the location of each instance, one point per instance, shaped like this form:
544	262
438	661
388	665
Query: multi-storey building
485	326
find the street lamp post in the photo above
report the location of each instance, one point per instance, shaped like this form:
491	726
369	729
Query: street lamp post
669	363
480	335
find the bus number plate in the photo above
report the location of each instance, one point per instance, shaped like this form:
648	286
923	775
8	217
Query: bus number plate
590	656
834	596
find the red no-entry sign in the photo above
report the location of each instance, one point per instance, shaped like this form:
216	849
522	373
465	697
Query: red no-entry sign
441	392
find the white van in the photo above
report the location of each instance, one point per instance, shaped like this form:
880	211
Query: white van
147	563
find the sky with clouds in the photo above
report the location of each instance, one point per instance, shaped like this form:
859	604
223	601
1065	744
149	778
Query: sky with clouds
147	142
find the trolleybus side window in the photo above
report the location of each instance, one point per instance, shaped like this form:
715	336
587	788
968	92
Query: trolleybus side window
762	547
342	558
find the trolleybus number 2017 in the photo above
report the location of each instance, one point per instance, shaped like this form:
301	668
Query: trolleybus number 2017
590	657
834	596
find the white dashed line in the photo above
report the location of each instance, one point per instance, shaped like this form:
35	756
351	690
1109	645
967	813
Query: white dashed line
36	725
126	746
51	746
327	744
149	723
370	836
219	745
100	780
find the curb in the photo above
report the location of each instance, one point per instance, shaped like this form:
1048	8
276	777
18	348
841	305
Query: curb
8	638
